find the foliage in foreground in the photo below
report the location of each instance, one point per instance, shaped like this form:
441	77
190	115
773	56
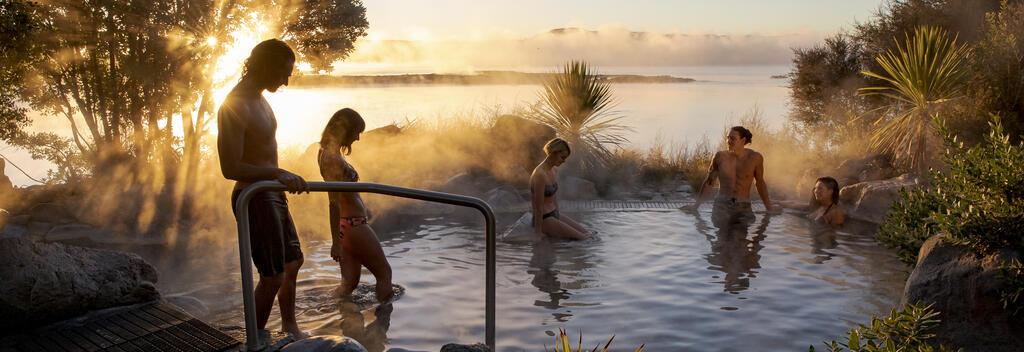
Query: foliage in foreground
562	343
979	202
907	330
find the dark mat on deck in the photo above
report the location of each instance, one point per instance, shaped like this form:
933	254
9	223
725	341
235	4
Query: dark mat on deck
156	326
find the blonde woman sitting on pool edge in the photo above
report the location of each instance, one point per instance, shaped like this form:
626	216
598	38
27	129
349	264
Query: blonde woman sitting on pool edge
544	203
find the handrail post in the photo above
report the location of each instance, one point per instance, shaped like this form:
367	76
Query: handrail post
245	251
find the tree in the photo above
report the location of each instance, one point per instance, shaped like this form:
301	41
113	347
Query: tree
578	104
324	31
997	82
922	76
823	85
17	54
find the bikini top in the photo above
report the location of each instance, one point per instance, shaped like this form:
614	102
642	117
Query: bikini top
353	176
820	219
549	190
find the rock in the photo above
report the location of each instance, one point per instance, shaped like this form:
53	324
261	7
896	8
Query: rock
39	228
503	197
191	305
47	282
461	183
13	231
324	344
389	130
577	188
476	347
52	213
69	232
870	201
519	144
20	220
964	287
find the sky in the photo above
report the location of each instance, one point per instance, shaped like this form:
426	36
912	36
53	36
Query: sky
466	19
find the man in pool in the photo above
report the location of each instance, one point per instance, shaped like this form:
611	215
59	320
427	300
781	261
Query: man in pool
735	169
247	147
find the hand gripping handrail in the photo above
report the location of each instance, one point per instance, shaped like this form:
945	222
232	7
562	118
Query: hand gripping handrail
245	255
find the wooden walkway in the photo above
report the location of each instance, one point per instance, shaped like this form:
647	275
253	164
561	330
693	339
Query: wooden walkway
157	326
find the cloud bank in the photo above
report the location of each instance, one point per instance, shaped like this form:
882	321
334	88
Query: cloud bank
607	46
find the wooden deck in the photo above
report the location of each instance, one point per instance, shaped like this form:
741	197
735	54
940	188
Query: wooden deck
157	326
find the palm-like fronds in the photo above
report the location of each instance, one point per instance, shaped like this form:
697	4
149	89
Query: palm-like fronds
579	105
562	343
926	72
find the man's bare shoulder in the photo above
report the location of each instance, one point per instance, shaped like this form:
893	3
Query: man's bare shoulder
755	155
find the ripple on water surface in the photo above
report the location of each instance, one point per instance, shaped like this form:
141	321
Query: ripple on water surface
671	280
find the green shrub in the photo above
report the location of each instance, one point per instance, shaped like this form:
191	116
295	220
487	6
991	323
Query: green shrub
907	330
1013	274
979	202
983	193
909	223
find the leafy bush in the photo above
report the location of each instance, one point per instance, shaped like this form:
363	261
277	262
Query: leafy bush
910	223
983	193
979	202
1013	273
578	103
907	330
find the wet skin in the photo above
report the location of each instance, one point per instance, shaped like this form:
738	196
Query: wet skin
247	147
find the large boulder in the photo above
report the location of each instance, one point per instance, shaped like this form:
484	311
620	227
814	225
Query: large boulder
518	143
571	187
476	347
52	213
324	344
964	287
502	197
870	201
47	282
870	168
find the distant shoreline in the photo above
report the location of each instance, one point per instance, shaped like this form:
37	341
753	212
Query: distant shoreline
480	78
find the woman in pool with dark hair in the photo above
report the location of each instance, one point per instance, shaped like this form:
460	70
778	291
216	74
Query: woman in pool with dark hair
544	203
354	242
823	209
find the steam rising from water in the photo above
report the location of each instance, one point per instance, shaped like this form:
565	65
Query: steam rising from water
609	45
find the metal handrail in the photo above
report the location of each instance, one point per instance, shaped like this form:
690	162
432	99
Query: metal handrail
245	255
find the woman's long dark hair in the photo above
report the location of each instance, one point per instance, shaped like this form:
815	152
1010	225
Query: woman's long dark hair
344	124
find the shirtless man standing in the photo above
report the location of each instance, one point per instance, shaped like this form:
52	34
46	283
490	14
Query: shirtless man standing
247	146
735	169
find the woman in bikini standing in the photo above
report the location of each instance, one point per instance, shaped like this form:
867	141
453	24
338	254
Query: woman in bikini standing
354	243
543	186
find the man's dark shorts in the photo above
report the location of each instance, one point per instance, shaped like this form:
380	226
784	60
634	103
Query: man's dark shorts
728	212
272	234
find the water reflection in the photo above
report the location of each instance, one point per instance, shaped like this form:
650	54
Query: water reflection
372	335
732	252
545	277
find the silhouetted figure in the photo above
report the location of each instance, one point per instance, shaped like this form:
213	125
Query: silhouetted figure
247	146
544	203
735	170
353	242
